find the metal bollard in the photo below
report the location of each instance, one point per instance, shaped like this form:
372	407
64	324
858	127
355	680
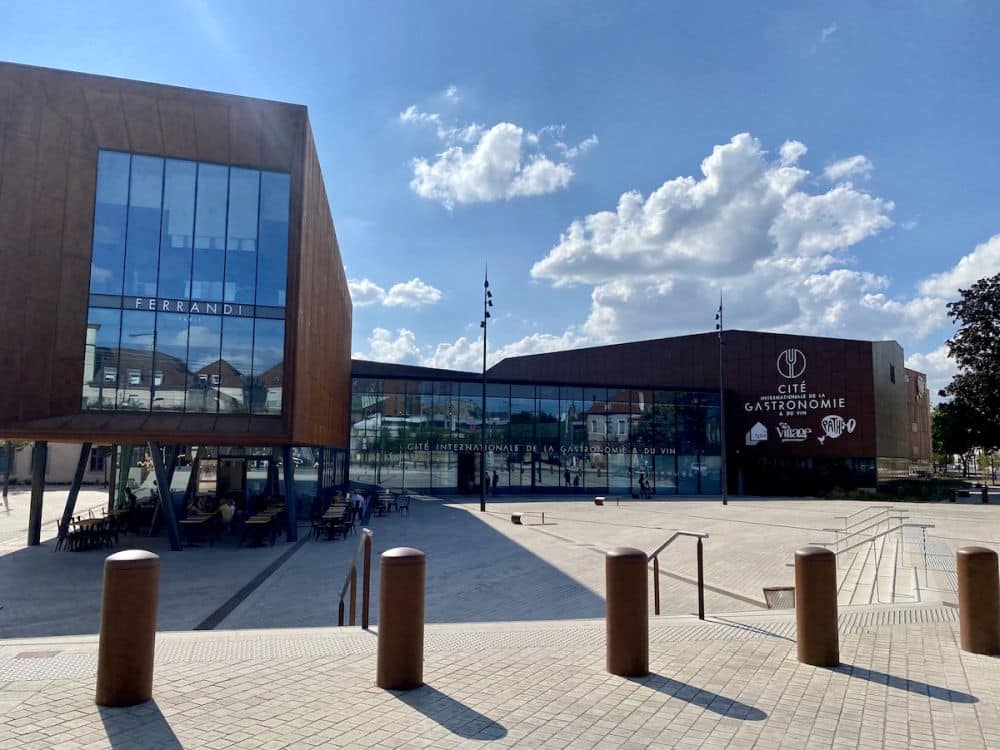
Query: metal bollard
952	495
400	664
515	518
128	628
816	623
986	495
627	614
978	600
598	501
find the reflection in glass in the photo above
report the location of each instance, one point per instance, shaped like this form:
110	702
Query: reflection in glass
241	238
100	376
135	360
268	365
272	254
110	211
210	232
204	347
143	237
176	241
235	368
170	372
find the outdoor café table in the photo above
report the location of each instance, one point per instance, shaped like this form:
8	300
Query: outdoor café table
258	526
193	527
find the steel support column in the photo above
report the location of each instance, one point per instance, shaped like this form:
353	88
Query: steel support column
39	459
166	498
74	489
292	535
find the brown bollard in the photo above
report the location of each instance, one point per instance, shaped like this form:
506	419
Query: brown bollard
985	495
627	614
816	607
978	600
400	664
128	628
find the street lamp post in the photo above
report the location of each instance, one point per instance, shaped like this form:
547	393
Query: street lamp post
722	402
487	303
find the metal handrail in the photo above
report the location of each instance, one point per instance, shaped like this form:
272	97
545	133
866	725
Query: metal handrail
922	526
878	508
866	528
365	546
655	557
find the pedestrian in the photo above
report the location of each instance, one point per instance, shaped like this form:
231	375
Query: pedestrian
496	481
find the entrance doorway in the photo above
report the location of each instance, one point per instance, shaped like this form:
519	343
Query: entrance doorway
468	473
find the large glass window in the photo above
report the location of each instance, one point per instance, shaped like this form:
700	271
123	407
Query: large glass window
185	256
273	252
268	366
210	232
110	217
176	238
241	237
142	244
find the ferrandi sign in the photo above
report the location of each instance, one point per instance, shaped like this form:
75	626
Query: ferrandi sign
795	412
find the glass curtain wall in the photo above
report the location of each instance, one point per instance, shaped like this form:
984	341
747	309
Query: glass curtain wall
424	436
187	287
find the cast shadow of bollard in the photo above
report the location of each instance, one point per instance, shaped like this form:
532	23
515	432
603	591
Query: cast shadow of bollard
145	721
700	697
453	715
901	683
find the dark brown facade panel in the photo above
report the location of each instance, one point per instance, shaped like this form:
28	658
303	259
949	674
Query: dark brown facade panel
244	134
211	124
16	198
142	120
79	211
322	370
107	118
177	126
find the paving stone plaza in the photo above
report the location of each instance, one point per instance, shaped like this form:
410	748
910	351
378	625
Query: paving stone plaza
515	641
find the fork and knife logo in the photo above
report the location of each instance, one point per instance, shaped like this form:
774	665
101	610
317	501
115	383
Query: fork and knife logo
791	363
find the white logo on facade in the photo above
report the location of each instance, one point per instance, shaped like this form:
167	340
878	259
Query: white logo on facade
834	426
789	434
756	434
791	363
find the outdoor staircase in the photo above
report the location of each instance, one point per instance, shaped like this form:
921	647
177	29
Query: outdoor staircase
906	566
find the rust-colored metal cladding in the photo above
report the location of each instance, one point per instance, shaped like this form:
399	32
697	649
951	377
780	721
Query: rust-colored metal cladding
816	624
128	628
979	600
627	614
400	664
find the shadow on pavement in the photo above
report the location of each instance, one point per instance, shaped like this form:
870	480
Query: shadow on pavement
700	697
901	683
451	714
144	723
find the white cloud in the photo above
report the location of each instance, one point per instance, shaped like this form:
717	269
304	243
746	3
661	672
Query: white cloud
827	31
467	353
752	226
983	261
937	365
384	346
857	165
451	93
414	293
482	164
365	292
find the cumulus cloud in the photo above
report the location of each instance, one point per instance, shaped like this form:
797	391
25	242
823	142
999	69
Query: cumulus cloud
386	346
451	93
482	164
827	31
414	293
857	165
983	261
751	225
467	353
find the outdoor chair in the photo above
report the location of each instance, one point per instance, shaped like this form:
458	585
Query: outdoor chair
403	504
67	537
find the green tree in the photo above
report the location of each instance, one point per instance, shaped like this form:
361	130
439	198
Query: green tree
952	432
975	347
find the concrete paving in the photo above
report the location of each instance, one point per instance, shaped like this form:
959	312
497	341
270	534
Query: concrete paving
731	682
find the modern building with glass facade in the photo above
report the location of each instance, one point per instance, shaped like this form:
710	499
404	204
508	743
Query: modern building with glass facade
171	277
804	415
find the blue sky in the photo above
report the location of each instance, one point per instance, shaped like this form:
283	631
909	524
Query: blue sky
831	167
